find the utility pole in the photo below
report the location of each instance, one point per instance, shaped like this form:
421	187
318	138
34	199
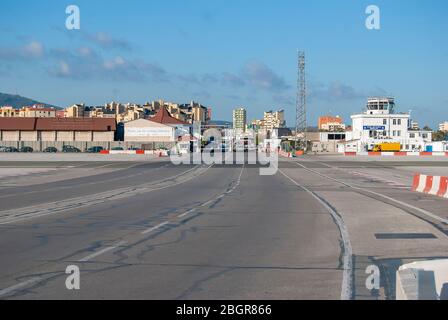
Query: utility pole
301	122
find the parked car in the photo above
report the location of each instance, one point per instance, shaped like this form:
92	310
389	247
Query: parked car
26	149
11	149
2	149
117	148
94	149
50	150
70	149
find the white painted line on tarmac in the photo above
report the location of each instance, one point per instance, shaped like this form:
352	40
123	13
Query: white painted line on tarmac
156	227
346	291
427	213
98	253
17	287
207	203
186	213
326	165
94	199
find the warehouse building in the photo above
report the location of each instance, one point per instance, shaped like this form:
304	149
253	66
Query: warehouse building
57	129
160	128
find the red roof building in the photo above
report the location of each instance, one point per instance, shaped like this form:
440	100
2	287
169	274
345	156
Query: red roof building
58	124
164	117
57	129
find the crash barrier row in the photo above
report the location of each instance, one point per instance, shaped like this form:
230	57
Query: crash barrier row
402	154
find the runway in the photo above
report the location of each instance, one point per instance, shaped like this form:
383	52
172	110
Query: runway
152	230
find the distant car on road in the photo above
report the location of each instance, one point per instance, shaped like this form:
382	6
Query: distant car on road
94	149
26	149
70	149
50	150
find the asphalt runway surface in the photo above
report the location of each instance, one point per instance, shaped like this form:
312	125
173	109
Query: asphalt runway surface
153	230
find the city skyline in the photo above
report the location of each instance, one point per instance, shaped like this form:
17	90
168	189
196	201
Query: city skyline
224	55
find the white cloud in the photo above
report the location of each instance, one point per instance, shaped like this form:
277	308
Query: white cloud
29	51
34	49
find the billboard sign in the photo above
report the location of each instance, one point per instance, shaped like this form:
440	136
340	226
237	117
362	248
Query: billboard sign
149	132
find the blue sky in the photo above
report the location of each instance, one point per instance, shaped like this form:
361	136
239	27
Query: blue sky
229	53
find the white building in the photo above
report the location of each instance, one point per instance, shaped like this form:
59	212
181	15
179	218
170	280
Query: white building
160	128
380	123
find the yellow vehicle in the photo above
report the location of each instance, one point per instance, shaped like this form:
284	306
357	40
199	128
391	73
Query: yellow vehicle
387	147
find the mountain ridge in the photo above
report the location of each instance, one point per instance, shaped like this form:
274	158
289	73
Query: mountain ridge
18	101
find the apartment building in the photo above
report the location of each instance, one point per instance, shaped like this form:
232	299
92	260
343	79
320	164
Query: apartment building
8	111
36	111
274	120
239	119
330	123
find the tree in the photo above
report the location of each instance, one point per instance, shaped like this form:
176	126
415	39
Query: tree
427	128
439	136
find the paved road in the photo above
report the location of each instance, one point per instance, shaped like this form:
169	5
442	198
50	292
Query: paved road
152	230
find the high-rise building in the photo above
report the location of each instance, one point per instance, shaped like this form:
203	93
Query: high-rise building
274	120
239	119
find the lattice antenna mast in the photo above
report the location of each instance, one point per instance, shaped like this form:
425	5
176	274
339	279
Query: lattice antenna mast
301	124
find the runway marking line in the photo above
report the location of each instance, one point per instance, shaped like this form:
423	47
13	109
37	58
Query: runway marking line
19	286
32	281
98	253
156	227
78	205
347	279
422	211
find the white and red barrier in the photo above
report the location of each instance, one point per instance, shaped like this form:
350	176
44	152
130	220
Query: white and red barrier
434	185
160	153
398	154
284	154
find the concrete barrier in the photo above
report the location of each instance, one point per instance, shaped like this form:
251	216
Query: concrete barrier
160	153
434	185
424	280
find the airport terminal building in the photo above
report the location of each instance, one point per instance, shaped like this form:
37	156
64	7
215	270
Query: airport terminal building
380	123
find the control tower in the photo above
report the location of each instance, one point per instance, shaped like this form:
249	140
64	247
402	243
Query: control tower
380	105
